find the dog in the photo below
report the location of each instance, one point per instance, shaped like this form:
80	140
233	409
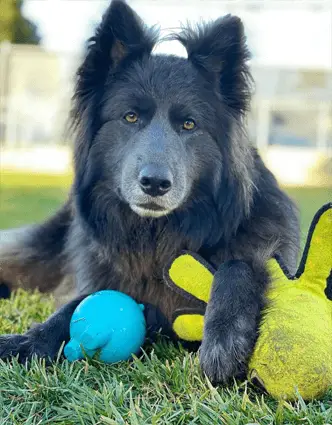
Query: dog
162	164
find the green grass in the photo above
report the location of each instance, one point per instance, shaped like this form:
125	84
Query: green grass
165	386
309	201
28	198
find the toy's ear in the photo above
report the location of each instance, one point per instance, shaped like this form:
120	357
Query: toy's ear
190	276
277	270
317	256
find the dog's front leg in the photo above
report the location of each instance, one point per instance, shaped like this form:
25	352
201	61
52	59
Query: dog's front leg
43	340
231	320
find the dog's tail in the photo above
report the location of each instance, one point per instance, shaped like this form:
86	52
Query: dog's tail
35	256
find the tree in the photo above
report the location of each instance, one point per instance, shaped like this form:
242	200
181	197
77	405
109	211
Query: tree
14	27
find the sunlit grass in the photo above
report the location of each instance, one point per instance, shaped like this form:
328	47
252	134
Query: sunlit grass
27	198
309	201
18	179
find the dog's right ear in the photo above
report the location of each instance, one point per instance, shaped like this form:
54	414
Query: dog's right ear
121	37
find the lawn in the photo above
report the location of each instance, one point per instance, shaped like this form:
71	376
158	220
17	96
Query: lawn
165	386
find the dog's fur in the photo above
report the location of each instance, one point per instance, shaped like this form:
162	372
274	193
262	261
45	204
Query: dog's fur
223	204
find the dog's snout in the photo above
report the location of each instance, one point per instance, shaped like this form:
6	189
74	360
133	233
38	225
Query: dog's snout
155	180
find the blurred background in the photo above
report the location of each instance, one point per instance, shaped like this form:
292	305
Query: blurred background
41	44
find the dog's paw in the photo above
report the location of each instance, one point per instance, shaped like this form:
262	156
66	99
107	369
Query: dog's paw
221	361
214	362
14	345
24	347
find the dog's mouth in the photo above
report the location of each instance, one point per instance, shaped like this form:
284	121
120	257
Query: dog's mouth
151	206
149	209
146	209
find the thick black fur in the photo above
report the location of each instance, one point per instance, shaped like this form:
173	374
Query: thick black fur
224	204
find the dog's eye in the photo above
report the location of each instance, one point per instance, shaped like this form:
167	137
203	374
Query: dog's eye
189	125
131	117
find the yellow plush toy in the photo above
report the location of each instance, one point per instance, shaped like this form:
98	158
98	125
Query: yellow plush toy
293	354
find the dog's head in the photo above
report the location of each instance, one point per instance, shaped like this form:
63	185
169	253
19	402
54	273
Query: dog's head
158	132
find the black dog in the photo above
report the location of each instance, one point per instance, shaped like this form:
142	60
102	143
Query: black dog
162	164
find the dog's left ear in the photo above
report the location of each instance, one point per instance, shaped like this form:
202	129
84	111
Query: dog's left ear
219	50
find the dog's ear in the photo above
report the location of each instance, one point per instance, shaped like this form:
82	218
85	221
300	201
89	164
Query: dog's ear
219	50
120	39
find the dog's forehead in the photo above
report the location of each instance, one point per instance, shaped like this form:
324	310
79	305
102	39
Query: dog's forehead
166	77
162	82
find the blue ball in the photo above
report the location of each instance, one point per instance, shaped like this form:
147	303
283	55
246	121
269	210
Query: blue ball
109	321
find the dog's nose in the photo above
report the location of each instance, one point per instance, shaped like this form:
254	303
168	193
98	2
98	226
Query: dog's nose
155	180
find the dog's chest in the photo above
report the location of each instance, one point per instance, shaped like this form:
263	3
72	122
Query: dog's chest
141	277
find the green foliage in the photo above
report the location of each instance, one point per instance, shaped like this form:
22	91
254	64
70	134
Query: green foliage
6	19
14	27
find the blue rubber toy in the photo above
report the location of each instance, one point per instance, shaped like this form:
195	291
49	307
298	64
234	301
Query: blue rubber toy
109	321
